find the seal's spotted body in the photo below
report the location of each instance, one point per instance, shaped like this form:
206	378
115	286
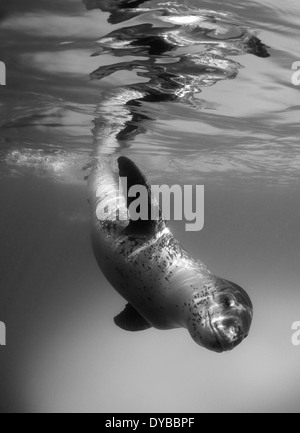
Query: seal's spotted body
165	287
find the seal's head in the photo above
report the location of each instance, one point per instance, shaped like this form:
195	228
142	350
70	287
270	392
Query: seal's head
221	318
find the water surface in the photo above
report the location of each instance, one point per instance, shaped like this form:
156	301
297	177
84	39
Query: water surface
240	140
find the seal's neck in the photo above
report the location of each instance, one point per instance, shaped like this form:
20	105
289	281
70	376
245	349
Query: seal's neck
193	286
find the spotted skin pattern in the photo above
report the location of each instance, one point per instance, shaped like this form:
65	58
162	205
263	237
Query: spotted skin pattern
159	279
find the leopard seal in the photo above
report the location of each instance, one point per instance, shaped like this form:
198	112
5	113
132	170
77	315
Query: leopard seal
186	50
164	286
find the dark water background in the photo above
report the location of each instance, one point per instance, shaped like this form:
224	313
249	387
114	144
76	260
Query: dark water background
63	351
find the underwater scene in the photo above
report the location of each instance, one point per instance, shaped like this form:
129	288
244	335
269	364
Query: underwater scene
195	93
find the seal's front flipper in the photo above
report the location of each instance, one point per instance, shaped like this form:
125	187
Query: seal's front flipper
131	320
153	222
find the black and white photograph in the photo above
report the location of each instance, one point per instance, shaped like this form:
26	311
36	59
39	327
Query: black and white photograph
149	209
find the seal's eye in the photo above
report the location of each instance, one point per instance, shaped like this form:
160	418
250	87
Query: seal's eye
227	302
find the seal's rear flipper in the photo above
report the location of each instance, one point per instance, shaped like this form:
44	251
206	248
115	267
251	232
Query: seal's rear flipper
131	320
134	177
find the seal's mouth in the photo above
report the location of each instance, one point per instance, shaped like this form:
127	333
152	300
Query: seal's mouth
230	338
226	341
218	346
